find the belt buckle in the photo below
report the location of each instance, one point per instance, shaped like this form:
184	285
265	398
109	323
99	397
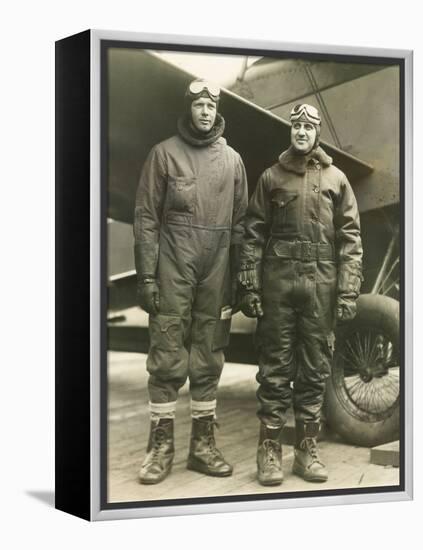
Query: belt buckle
306	251
296	250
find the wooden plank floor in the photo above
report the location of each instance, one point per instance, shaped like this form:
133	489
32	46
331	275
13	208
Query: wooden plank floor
349	466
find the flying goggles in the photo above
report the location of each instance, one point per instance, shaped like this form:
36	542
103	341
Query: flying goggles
305	112
199	86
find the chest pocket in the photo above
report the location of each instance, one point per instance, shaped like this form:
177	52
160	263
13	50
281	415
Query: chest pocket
182	194
284	209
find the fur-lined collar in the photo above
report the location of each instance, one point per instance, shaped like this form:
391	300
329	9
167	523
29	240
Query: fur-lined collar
293	162
191	136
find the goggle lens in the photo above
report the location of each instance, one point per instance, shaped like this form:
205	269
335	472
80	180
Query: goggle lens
310	112
197	87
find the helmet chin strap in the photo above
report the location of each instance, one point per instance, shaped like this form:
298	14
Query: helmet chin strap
317	140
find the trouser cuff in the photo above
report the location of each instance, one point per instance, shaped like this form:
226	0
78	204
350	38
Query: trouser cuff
274	419
200	409
162	410
273	426
304	417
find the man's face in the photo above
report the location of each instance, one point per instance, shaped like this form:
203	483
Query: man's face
203	113
303	136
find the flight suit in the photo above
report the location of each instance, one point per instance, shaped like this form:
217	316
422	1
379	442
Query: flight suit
190	205
302	241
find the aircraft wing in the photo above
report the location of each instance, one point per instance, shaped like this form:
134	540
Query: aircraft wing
144	99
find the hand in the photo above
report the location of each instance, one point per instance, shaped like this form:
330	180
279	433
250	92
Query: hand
250	305
148	295
249	279
346	309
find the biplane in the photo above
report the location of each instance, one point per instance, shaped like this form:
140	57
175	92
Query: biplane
359	104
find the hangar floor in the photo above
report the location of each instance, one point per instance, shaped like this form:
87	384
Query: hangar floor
128	426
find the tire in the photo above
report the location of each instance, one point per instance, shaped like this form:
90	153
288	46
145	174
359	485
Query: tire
362	401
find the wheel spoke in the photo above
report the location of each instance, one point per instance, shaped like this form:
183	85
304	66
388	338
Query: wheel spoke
372	396
374	351
360	349
356	358
352	383
367	375
348	362
367	347
366	350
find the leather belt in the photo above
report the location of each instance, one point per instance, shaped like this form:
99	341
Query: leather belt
304	251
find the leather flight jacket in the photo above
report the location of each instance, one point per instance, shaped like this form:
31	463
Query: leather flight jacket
304	209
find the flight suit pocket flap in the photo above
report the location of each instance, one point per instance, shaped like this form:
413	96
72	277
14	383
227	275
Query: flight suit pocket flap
281	198
166	332
221	334
165	322
182	192
182	183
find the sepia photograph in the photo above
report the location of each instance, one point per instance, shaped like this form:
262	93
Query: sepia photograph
253	263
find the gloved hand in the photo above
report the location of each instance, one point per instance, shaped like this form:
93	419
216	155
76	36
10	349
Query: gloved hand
250	305
346	308
248	279
148	295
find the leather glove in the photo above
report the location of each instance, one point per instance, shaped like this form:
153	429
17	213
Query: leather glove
346	309
148	295
248	279
250	305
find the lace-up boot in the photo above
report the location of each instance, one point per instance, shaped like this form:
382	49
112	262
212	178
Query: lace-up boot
160	451
204	456
307	463
269	456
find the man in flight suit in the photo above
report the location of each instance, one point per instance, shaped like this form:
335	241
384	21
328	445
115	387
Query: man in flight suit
190	205
300	271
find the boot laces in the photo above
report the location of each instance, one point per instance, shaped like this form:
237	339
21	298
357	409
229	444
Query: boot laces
212	450
272	452
309	444
158	441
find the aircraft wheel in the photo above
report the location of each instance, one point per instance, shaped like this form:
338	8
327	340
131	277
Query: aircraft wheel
362	402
